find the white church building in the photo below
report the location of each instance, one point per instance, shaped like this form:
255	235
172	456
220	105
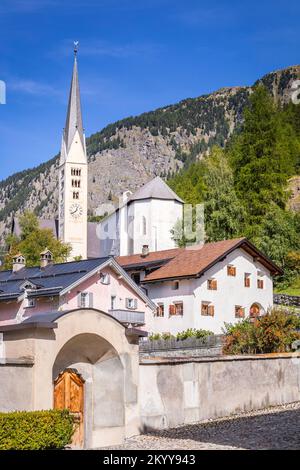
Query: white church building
144	219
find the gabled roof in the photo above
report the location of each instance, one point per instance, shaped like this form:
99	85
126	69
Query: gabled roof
194	261
155	189
57	279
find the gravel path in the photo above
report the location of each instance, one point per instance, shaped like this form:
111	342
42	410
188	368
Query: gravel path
272	428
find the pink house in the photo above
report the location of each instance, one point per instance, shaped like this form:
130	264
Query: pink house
27	294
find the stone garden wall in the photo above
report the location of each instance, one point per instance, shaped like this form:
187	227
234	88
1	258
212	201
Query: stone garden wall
183	391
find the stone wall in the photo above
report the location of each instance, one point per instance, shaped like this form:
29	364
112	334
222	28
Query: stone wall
175	392
189	347
285	299
16	380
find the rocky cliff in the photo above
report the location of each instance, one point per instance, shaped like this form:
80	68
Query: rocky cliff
127	153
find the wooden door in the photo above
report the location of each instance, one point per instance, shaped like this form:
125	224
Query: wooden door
68	394
254	311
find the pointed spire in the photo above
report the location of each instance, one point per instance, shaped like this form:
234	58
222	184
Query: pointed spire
74	118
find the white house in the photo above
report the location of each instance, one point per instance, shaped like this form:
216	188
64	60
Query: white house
204	286
143	218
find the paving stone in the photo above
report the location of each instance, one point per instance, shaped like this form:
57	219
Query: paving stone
272	428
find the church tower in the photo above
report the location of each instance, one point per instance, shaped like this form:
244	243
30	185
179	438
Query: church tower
73	168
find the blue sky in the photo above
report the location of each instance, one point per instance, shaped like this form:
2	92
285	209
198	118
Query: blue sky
135	55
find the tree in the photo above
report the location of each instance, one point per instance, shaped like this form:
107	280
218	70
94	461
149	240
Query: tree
263	156
278	237
224	213
32	241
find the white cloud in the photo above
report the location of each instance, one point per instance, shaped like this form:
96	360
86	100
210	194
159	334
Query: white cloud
32	87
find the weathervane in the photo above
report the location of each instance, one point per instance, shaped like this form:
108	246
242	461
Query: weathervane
76	43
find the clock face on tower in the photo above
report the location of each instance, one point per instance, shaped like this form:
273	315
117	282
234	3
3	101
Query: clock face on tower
76	210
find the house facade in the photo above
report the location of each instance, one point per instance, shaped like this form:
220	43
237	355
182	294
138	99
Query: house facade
204	287
29	293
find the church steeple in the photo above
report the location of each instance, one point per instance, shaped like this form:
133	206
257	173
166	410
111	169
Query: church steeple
73	177
74	116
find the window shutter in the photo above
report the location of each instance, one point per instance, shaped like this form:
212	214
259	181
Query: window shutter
172	309
91	299
211	310
127	303
79	300
135	303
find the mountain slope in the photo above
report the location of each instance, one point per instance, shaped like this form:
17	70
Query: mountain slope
127	153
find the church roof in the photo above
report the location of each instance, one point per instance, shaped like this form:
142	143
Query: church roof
74	117
155	189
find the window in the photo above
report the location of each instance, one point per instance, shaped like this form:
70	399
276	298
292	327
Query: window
231	270
75	172
113	302
160	310
239	311
260	283
30	303
176	308
85	300
105	278
212	284
136	278
131	304
247	280
144	225
175	285
207	309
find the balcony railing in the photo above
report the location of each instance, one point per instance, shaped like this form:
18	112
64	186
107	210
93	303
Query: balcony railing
128	316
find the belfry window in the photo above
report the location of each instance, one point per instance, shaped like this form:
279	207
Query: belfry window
75	172
75	195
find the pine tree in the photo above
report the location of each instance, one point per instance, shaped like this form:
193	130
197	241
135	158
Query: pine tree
224	213
263	156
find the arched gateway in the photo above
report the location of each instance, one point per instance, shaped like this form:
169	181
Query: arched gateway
86	361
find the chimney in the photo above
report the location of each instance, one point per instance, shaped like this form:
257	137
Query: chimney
145	250
125	196
19	262
46	258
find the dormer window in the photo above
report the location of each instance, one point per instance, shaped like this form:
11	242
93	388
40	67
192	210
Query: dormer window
30	303
27	285
105	278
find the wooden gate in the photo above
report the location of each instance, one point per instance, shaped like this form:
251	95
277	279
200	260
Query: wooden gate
68	394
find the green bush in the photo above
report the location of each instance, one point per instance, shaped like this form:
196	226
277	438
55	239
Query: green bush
273	332
35	430
189	333
193	333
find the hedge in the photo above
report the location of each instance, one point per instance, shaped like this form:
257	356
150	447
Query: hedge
35	430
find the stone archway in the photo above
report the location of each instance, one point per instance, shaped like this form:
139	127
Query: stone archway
102	351
97	362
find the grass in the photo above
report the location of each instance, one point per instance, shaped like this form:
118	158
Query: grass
293	289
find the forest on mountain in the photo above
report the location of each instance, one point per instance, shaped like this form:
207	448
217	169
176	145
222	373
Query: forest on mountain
244	186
